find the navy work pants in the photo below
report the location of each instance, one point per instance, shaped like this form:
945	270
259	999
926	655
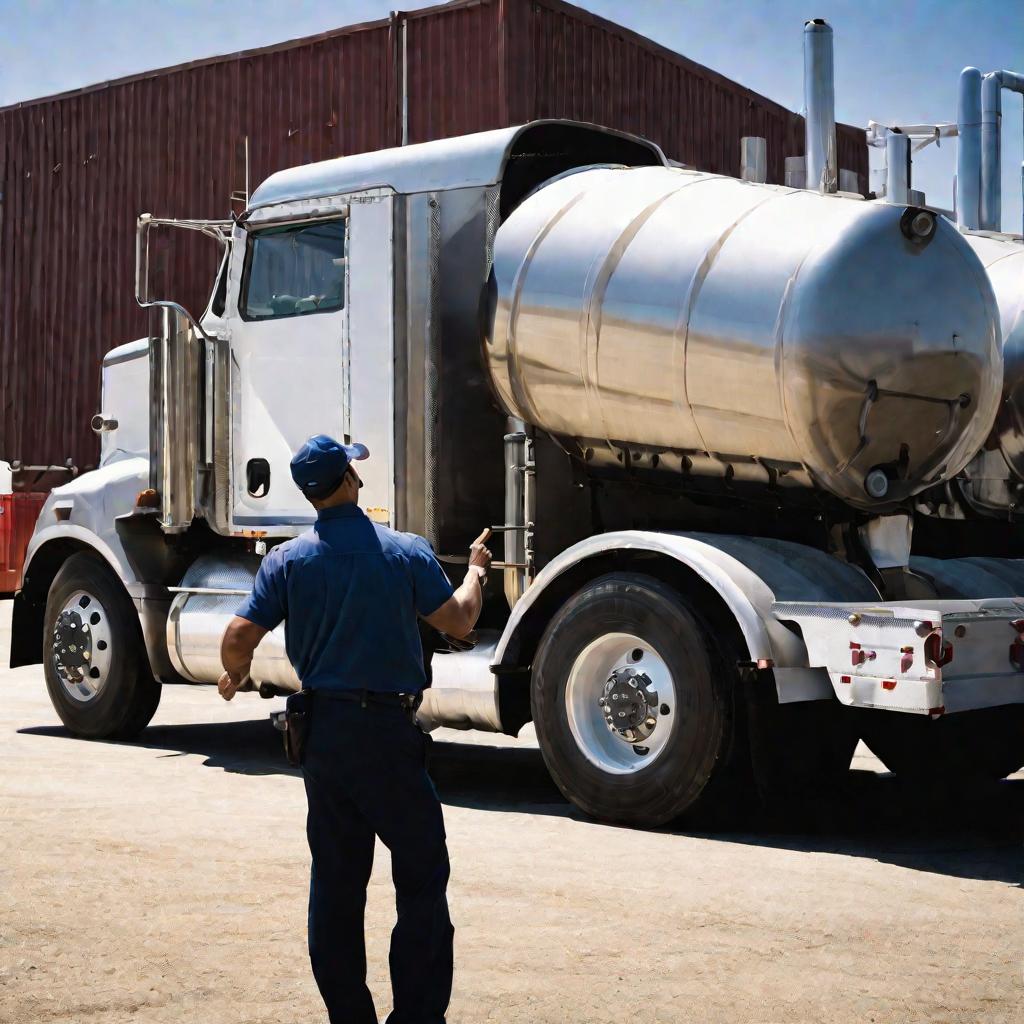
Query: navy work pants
366	775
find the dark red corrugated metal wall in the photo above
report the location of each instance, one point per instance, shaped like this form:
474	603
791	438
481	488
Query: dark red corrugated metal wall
78	169
569	63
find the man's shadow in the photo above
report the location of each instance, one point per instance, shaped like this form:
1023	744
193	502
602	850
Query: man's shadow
975	833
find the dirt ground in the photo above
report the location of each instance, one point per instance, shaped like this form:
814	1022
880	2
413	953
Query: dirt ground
165	881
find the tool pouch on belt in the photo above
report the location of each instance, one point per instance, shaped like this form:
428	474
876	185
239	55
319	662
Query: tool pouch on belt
296	725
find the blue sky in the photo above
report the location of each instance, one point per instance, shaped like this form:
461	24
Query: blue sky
896	60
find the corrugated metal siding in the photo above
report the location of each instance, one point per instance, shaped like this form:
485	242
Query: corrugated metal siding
453	71
568	63
78	169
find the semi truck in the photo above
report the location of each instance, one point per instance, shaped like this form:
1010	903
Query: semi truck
704	414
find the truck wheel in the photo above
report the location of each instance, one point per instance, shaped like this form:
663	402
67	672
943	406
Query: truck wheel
965	747
96	669
633	702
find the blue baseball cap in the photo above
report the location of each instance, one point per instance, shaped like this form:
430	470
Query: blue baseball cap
320	465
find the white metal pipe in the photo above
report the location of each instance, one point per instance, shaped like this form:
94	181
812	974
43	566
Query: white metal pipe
796	172
1015	83
754	159
991	127
968	150
820	113
848	180
897	167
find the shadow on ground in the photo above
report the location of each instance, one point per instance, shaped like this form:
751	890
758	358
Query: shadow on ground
977	833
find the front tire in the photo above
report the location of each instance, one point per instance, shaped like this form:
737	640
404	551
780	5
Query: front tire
95	664
633	703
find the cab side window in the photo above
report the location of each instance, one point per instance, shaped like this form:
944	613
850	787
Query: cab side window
295	270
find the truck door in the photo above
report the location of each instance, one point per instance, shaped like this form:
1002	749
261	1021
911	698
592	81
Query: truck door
311	341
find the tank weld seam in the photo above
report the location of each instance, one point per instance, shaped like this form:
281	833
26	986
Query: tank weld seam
594	311
779	336
520	392
696	284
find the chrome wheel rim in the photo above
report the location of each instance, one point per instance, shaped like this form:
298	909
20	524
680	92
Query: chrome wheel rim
81	646
620	701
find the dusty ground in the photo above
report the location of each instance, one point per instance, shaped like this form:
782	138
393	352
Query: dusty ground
166	881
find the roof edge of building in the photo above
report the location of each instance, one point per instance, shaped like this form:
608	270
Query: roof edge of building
580	13
223	58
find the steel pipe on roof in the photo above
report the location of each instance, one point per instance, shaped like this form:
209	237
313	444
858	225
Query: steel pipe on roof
968	150
991	123
990	159
897	167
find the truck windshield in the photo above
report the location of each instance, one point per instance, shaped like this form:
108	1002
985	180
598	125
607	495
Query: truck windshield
295	270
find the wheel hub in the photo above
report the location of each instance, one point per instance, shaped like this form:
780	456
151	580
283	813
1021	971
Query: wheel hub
81	646
629	705
620	703
72	646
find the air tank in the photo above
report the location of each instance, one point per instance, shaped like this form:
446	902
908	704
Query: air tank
705	325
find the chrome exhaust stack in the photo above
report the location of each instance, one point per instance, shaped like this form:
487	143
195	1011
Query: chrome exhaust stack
820	102
897	167
968	151
989	160
754	159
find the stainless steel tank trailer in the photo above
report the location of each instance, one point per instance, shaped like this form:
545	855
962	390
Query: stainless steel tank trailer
984	499
699	409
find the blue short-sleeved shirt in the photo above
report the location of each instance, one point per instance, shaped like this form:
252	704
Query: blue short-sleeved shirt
349	592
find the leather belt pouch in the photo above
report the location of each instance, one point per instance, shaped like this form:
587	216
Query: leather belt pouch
296	725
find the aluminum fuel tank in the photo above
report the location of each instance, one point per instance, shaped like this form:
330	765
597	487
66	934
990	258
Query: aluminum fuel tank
744	330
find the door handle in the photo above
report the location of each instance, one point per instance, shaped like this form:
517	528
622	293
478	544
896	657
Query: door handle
257	477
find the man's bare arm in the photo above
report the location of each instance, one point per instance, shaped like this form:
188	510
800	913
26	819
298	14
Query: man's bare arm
241	638
458	615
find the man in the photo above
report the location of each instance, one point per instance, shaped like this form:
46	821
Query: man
349	593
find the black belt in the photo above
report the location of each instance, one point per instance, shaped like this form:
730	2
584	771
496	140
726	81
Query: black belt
406	701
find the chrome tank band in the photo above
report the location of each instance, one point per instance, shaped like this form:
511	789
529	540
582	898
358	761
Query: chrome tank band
463	695
727	323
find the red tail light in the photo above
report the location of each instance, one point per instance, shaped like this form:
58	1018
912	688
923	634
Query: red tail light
937	652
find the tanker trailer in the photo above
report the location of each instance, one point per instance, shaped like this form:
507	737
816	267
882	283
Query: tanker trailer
991	487
699	410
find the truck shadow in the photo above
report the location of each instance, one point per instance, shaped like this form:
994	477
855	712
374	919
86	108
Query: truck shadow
975	834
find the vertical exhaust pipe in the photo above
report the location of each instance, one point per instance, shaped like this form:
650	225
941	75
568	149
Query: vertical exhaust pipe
991	158
897	167
796	172
968	150
820	102
754	158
